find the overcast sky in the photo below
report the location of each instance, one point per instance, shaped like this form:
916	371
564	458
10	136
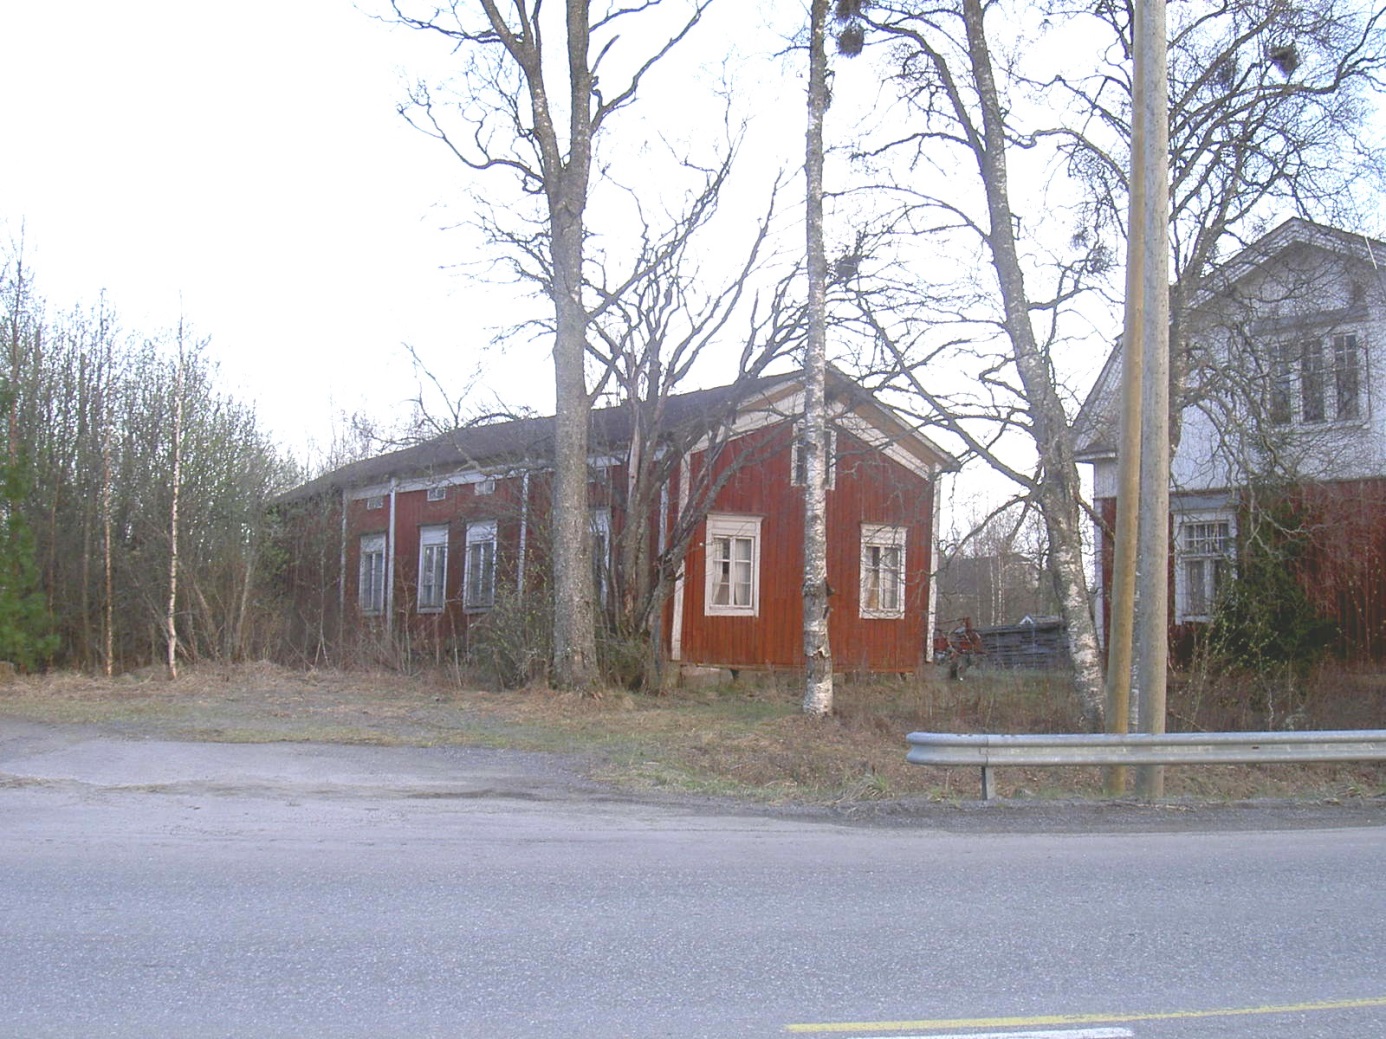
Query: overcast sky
243	165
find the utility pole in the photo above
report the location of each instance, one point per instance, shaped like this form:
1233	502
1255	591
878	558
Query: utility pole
1139	628
1151	99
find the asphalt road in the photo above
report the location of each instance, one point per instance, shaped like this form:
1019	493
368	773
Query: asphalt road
167	890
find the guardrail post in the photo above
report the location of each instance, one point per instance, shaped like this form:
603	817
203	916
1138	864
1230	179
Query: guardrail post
987	788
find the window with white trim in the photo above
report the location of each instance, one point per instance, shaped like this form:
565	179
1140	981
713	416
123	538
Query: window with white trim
433	568
479	566
370	584
733	566
1316	381
798	468
882	571
1204	563
375	501
486	486
437	494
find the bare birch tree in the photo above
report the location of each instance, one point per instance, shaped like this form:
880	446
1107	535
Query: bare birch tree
818	655
175	488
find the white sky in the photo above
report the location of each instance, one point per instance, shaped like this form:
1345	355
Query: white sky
243	164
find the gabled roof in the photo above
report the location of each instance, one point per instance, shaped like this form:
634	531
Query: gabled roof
528	442
1096	425
1293	233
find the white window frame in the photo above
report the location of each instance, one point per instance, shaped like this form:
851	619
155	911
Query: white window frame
370	577
479	585
725	560
1197	544
798	459
375	501
1318	380
486	486
433	569
878	542
437	494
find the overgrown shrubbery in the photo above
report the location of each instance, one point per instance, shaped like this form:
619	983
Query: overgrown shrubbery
1266	636
511	644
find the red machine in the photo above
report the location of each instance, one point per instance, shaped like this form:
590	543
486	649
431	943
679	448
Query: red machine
957	644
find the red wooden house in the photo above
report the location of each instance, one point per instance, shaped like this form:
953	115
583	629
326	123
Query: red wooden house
427	539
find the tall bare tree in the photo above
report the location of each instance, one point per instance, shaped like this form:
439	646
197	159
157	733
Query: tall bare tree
509	120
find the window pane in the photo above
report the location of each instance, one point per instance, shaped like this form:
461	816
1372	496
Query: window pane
891	597
742	590
1197	604
1345	377
871	564
1281	404
481	561
722	582
1311	381
370	587
432	577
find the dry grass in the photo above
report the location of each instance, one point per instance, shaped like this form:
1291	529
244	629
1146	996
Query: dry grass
742	739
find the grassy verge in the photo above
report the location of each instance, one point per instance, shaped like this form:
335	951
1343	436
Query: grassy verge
744	740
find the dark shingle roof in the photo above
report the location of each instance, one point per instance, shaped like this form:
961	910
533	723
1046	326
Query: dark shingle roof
529	441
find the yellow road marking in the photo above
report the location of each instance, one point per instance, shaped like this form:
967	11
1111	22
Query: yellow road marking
1084	1019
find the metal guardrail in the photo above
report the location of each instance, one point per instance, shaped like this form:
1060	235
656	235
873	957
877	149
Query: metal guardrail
1175	748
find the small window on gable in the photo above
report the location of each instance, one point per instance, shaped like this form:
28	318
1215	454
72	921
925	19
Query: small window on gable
433	568
798	475
487	486
479	566
437	494
882	571
370	585
375	501
732	549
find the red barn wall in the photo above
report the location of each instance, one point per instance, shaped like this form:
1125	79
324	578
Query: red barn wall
1342	567
461	506
869	488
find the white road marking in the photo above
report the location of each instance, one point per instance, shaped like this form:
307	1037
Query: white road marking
1066	1033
